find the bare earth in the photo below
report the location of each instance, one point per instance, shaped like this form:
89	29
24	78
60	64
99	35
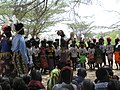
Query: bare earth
90	75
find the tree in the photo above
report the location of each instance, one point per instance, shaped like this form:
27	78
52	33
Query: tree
37	15
39	23
80	28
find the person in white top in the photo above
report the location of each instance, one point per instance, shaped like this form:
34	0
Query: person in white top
74	52
90	55
109	52
36	52
82	54
29	53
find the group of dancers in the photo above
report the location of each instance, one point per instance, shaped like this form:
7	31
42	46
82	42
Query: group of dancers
19	56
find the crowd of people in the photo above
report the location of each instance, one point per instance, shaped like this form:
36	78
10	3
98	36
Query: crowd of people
23	62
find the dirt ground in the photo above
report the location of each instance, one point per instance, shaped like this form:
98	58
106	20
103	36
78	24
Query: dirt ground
90	75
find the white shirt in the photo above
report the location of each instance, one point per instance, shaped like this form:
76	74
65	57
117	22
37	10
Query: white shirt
74	51
109	49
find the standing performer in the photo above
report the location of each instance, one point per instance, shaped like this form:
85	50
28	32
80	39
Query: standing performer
117	53
57	52
91	58
98	56
109	52
64	52
82	54
6	55
50	51
30	54
74	52
103	48
20	58
36	57
43	58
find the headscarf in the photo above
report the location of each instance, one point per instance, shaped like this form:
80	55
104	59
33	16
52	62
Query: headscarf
54	78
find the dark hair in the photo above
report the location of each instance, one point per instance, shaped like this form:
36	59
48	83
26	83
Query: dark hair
5	84
87	84
19	84
19	28
26	79
109	69
36	75
67	87
66	75
102	74
28	44
82	72
7	31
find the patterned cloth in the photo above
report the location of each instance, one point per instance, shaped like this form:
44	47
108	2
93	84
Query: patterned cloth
19	64
43	59
91	55
6	63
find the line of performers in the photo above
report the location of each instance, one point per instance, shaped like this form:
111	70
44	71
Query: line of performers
17	57
51	54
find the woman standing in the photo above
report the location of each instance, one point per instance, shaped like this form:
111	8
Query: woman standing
20	58
6	66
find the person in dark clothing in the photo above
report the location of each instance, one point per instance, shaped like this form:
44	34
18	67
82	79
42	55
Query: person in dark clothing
36	81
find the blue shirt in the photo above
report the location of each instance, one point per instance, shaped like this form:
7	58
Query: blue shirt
4	46
18	44
79	79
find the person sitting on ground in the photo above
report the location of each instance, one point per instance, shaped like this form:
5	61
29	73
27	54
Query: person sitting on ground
26	79
19	84
66	75
87	84
36	81
54	78
104	82
81	74
111	73
5	83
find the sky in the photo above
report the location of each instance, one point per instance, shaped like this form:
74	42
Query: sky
100	12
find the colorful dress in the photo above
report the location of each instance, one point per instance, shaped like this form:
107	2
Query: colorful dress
50	57
64	54
91	52
82	53
117	54
43	59
6	65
